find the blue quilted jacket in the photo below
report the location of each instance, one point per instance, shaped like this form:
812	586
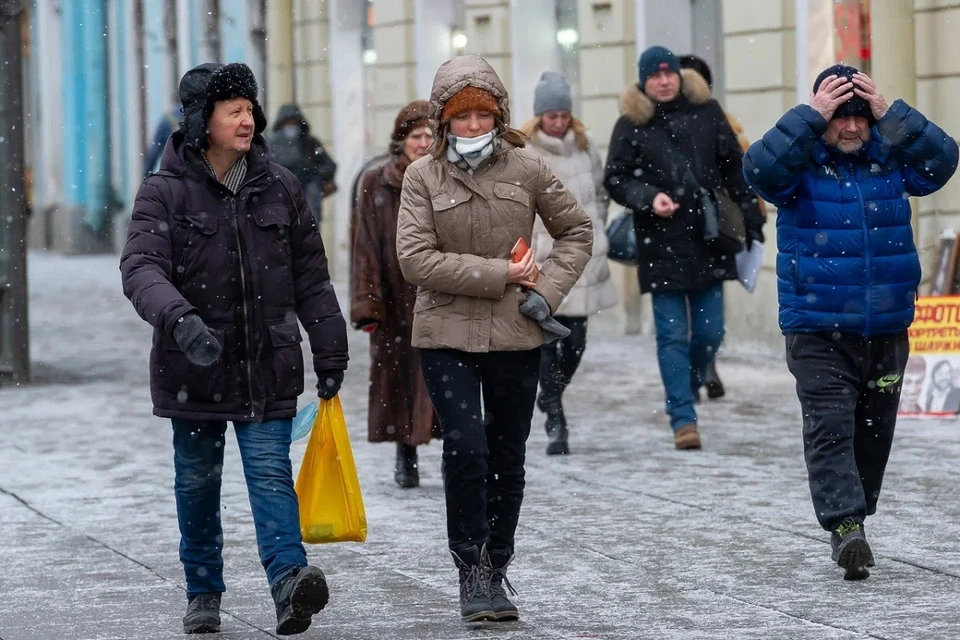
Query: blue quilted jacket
847	261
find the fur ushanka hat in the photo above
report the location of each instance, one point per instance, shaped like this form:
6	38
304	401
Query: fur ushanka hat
205	85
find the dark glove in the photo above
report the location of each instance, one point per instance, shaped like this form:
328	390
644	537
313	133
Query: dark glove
537	308
329	383
755	235
197	341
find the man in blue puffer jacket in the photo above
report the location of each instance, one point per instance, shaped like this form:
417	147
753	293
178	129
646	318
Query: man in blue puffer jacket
840	170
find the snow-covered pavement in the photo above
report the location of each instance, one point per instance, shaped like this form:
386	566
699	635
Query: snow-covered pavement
625	539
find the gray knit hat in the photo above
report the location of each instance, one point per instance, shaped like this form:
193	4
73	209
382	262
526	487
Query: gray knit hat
552	94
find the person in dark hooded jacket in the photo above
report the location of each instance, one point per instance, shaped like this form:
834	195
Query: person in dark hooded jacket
223	258
292	146
672	140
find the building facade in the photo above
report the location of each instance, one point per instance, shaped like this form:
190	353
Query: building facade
351	64
101	74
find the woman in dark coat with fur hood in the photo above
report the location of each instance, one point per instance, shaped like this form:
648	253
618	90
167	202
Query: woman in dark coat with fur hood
672	139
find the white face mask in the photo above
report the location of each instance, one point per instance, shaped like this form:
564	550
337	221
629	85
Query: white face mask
470	151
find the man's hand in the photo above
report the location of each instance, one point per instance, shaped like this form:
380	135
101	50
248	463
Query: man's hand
664	206
328	384
833	92
197	341
867	89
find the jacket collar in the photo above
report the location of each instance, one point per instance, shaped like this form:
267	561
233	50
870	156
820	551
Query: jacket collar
635	104
565	146
180	159
394	169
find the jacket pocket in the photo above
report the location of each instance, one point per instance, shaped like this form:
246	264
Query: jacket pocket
192	231
190	383
285	380
515	193
427	299
200	221
274	222
450	199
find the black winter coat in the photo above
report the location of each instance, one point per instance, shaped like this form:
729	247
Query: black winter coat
250	264
303	155
651	149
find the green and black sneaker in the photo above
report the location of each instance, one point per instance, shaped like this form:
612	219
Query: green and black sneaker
851	551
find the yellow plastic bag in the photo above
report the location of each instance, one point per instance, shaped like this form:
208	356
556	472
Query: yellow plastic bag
331	506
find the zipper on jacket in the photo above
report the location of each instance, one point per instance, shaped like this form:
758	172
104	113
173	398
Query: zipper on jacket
866	255
246	309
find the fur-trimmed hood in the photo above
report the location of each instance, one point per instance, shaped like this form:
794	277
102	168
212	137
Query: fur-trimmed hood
635	104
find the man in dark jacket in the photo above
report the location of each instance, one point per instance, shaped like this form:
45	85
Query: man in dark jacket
671	142
292	146
839	170
222	258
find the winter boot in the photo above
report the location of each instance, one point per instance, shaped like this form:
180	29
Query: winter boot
407	473
715	388
496	569
299	596
203	614
474	595
686	437
556	426
851	551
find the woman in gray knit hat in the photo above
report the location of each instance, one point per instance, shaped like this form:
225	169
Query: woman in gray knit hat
563	142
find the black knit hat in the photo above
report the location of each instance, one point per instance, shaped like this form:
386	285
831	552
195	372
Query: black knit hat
654	59
855	106
205	85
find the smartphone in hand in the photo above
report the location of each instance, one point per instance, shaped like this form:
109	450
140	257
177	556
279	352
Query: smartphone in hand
516	255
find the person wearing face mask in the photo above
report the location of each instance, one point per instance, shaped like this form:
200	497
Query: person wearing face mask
563	142
839	170
480	318
382	301
672	143
292	146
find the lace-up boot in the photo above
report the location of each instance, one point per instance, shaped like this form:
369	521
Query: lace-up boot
495	565
474	595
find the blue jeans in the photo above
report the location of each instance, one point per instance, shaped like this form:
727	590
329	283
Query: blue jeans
689	328
198	462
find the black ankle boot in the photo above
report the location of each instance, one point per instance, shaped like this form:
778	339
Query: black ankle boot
299	596
474	585
714	386
556	426
407	472
203	614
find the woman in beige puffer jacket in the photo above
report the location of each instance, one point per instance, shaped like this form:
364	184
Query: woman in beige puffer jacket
480	319
564	144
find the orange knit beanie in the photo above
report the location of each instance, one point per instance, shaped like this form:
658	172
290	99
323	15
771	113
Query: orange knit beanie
467	99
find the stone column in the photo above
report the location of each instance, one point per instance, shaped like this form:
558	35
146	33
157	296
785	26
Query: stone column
534	49
346	85
279	80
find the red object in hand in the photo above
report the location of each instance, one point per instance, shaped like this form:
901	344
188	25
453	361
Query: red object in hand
516	255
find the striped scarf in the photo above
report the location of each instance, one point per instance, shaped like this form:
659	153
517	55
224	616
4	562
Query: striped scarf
235	175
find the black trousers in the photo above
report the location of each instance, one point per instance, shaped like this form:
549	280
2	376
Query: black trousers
849	389
559	360
484	448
